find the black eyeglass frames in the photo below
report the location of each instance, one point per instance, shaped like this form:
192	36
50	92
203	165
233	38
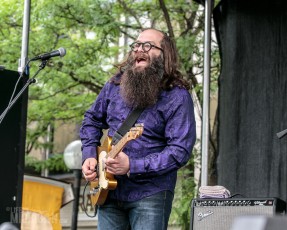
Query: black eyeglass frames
146	46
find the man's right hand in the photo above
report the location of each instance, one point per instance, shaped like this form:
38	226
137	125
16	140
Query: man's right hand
89	169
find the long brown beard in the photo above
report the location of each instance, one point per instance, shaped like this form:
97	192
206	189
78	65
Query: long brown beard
140	87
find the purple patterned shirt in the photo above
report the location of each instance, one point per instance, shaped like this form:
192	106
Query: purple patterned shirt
164	146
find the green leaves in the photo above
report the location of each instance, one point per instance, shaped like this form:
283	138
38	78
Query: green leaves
95	34
185	191
53	164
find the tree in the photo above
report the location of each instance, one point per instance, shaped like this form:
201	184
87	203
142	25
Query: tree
91	32
95	33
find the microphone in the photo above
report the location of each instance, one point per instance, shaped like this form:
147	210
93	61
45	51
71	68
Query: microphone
60	52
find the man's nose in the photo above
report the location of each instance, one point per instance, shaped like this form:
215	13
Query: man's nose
140	49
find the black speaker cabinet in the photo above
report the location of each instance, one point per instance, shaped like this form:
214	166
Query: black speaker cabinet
12	140
219	214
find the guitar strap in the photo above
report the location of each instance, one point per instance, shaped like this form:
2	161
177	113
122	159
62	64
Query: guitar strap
128	123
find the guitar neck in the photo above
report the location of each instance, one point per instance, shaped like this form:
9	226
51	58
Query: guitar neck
118	147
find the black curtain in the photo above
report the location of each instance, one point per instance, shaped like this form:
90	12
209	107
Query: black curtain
252	35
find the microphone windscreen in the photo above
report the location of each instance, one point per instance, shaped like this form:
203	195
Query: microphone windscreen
62	52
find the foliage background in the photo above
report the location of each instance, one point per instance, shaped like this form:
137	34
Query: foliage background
96	34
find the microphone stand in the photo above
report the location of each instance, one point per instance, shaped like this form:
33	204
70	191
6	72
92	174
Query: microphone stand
29	82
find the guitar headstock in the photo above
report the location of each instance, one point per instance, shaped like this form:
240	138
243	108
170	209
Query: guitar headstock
135	132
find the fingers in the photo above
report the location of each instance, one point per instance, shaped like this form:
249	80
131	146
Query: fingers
111	161
90	175
120	157
88	169
119	170
119	165
89	165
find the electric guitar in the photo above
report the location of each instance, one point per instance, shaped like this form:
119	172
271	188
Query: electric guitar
99	189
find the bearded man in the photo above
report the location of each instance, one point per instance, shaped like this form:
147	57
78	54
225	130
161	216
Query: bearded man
146	168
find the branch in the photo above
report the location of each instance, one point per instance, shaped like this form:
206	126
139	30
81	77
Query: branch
200	26
55	93
130	11
68	14
13	24
128	27
189	23
90	85
167	18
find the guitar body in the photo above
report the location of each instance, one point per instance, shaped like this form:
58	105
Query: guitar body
105	180
99	189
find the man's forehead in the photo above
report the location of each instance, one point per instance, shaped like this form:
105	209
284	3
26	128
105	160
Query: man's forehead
150	35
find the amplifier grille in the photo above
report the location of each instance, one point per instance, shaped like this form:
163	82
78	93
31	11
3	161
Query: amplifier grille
218	214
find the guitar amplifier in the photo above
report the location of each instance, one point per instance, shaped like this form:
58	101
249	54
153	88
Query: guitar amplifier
218	214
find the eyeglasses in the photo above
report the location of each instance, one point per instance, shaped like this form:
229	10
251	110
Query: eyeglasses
146	46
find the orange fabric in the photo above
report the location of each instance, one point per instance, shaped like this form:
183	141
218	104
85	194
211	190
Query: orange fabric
44	199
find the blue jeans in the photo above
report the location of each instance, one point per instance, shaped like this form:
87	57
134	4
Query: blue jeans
150	213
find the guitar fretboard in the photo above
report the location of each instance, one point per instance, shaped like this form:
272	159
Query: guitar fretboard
118	147
134	133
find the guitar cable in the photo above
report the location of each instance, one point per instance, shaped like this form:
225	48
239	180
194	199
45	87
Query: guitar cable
85	206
